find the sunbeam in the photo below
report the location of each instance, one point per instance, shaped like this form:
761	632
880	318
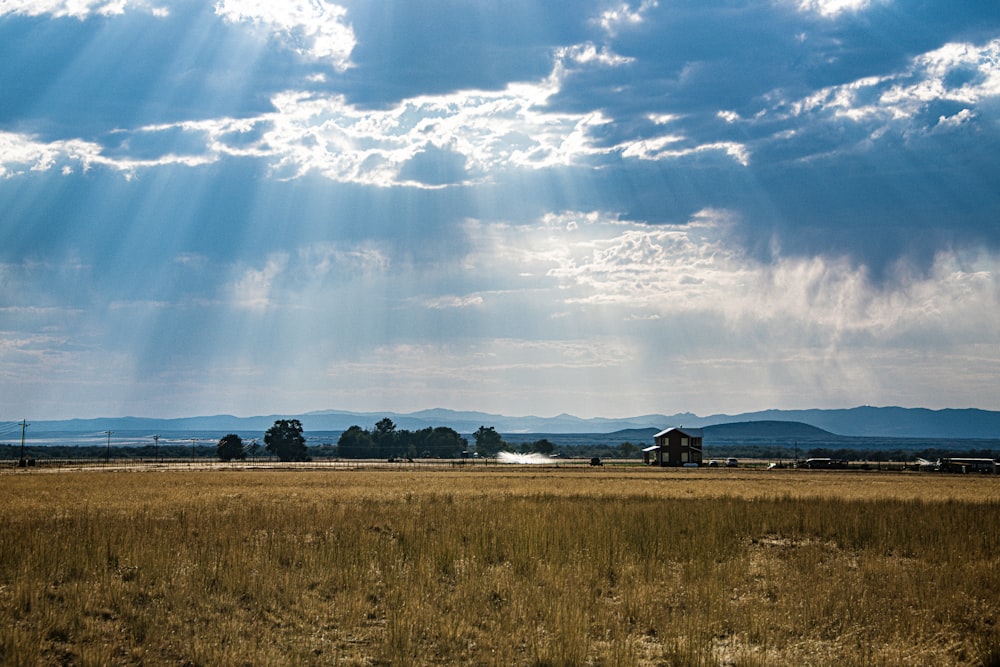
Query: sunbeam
638	208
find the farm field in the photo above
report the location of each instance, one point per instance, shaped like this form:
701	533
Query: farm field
499	566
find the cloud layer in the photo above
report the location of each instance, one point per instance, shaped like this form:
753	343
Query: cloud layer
597	208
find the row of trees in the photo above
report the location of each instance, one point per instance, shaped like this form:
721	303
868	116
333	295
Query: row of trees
285	440
384	440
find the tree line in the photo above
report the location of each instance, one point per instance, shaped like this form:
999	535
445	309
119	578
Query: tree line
384	440
286	441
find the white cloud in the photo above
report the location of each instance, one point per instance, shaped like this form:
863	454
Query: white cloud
927	78
672	146
449	301
31	351
833	8
20	153
658	148
646	271
642	266
491	129
79	9
588	53
898	99
955	120
625	15
315	29
485	131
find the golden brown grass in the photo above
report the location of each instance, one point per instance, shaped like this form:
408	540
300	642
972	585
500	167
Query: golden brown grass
499	567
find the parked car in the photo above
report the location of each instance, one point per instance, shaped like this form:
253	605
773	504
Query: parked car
732	463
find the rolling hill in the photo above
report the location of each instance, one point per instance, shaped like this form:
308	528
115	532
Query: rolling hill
892	422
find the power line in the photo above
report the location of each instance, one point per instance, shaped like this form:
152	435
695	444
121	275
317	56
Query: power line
9	427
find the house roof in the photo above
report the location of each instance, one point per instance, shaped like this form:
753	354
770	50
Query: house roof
689	432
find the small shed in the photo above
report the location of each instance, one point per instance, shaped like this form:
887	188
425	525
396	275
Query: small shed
674	447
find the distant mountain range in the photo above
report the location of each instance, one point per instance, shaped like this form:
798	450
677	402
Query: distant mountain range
885	422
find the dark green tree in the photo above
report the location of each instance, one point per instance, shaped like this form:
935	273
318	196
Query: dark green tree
444	442
384	436
230	447
285	440
543	446
355	443
488	441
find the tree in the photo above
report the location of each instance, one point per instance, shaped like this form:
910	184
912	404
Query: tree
444	442
488	441
230	447
543	446
285	440
384	436
355	443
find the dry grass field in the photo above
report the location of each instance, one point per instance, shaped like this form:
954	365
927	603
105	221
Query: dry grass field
499	566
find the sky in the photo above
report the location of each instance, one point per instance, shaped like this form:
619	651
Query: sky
529	207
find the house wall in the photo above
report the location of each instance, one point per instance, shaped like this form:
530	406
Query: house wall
678	449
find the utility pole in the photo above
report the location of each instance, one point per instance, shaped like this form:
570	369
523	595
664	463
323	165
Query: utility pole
108	457
156	447
24	425
192	449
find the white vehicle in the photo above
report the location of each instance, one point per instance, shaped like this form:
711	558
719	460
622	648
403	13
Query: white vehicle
732	463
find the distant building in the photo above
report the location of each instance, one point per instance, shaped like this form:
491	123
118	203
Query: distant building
966	465
674	447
